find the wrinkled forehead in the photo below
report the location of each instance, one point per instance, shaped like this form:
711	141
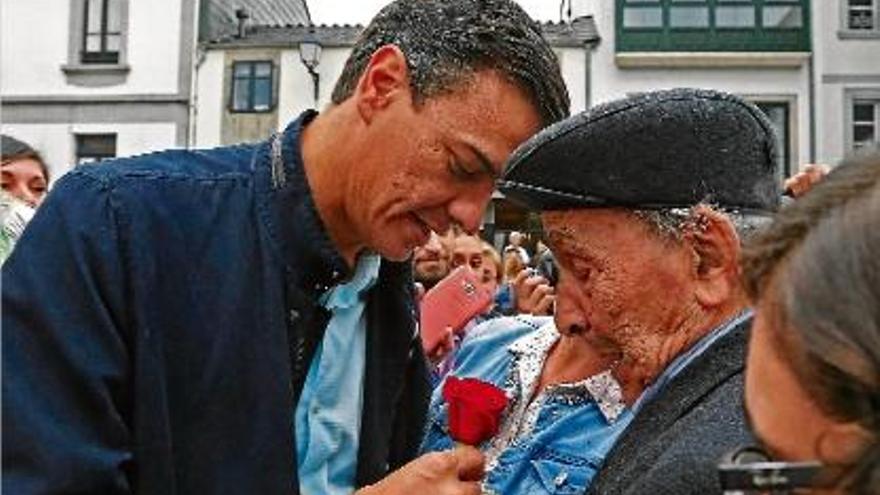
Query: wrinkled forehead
578	223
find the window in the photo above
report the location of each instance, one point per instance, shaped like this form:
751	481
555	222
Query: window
102	32
713	25
865	123
91	148
252	87
779	114
862	15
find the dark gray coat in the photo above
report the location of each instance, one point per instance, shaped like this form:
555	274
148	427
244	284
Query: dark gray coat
674	443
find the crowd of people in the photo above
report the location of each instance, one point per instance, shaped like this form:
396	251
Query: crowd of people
247	319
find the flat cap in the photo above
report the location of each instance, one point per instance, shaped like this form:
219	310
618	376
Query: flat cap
663	149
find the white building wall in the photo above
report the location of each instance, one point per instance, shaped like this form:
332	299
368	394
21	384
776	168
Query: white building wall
209	100
842	64
35	37
56	142
573	63
295	89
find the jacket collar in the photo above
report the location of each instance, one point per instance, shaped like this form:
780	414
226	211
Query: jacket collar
290	214
530	352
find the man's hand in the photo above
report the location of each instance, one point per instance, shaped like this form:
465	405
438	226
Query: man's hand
799	184
443	348
453	472
534	294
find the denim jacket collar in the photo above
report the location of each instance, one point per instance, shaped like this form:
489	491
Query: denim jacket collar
290	214
530	353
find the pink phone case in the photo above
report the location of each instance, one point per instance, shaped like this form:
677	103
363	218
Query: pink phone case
453	302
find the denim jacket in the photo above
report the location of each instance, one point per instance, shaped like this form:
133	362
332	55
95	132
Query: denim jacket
159	317
557	443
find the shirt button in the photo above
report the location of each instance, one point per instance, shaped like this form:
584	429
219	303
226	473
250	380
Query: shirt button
315	409
294	315
560	478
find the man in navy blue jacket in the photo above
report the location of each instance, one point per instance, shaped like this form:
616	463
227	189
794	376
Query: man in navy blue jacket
239	320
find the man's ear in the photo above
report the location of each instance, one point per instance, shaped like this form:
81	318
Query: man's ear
715	245
385	78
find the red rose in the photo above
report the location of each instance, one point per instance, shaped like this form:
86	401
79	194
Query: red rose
475	409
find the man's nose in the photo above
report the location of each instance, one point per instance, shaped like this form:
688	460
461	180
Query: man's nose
467	209
569	317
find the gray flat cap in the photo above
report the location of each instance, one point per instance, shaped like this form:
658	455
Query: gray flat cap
664	149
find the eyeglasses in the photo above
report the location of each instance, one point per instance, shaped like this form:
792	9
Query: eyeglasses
751	470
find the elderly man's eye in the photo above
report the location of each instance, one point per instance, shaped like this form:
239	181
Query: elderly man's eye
459	171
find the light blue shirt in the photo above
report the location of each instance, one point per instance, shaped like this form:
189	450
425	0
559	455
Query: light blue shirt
328	415
553	443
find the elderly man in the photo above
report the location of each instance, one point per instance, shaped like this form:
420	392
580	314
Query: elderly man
636	385
239	320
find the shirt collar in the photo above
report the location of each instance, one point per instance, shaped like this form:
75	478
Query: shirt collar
291	217
348	294
602	388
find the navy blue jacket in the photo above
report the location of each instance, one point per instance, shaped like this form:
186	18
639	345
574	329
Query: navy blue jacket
159	317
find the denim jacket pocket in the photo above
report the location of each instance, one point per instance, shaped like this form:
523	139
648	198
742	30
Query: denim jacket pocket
561	477
436	431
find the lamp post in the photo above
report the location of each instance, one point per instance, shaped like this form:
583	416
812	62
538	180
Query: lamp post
310	55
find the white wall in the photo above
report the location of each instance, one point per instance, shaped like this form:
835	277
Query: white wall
209	100
56	142
34	39
842	64
295	90
573	63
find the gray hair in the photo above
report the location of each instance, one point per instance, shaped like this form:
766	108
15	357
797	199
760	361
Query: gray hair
446	42
671	223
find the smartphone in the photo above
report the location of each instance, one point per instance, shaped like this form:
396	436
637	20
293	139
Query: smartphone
451	303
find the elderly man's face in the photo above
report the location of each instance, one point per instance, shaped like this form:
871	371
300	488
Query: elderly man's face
619	283
435	163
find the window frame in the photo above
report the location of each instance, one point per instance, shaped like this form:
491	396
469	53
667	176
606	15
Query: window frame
851	98
754	38
93	157
846	32
788	162
103	55
252	79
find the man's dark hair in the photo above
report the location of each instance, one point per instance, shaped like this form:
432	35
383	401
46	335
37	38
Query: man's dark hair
447	41
818	264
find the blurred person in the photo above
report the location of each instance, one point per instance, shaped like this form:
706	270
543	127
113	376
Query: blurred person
545	263
515	240
813	372
635	385
240	320
430	261
25	179
492	269
24	173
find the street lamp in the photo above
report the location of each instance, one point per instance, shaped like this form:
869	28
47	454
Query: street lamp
310	55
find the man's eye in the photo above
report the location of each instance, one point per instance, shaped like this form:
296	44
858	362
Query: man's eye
460	171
